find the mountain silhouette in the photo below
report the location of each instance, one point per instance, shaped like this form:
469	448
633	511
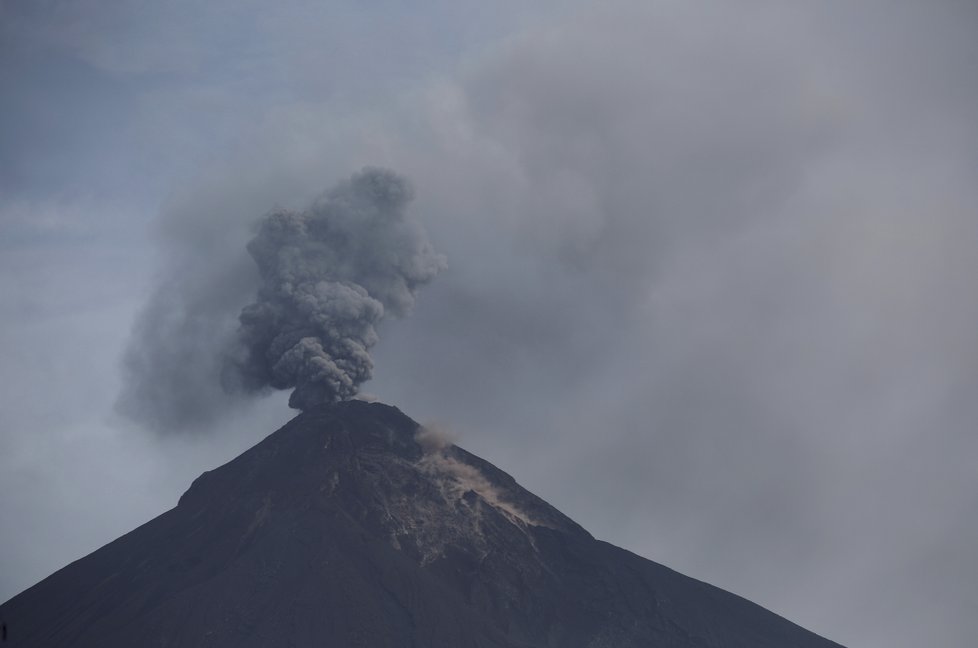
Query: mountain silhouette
352	526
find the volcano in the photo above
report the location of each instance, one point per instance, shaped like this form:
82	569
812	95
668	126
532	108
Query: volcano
353	527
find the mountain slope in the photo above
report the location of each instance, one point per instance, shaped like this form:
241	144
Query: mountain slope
350	526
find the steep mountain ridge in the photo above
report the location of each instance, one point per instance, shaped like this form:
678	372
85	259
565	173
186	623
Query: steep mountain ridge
351	526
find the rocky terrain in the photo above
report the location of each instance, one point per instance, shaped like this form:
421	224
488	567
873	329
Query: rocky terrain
353	526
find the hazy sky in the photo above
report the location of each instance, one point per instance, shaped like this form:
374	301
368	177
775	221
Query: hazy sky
711	284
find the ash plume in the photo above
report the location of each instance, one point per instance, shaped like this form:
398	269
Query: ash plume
326	277
329	275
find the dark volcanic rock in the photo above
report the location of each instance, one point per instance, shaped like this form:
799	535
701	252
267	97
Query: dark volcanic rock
349	528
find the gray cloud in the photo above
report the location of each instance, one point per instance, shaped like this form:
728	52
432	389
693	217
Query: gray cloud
327	276
736	291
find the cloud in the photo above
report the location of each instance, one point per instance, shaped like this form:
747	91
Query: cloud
329	276
326	277
732	326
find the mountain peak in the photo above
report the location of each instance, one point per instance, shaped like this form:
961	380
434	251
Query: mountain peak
354	526
381	466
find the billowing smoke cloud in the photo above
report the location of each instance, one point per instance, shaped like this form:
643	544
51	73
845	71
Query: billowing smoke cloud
326	277
329	275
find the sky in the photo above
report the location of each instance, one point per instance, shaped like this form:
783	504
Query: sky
710	281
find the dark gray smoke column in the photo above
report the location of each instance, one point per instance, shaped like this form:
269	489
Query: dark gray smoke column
328	276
